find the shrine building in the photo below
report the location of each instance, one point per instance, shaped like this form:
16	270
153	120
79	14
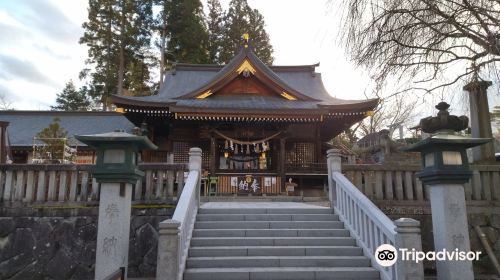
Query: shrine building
257	125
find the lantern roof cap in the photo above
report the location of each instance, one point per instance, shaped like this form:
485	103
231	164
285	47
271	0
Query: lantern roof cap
443	120
96	140
447	138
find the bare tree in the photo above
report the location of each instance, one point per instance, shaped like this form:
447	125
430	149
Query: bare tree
389	113
430	43
5	103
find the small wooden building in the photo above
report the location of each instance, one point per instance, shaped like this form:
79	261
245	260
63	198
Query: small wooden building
25	125
257	125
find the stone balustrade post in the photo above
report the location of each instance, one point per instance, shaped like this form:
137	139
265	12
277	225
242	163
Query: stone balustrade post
169	253
334	162
195	165
408	237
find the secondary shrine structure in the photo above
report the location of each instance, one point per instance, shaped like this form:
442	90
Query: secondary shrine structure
257	125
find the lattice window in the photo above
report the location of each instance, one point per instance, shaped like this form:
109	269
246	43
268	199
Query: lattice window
181	152
301	153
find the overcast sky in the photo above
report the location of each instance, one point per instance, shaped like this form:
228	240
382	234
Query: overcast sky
39	50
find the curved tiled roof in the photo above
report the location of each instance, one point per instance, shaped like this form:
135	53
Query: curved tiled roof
186	81
24	125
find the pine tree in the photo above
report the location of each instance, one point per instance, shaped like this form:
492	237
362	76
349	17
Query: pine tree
187	31
135	77
239	20
117	33
259	37
71	99
215	25
55	137
100	39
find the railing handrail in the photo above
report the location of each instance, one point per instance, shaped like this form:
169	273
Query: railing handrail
372	211
176	233
86	167
186	197
369	225
185	213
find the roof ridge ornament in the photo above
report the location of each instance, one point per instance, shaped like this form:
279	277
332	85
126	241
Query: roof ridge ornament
246	38
246	68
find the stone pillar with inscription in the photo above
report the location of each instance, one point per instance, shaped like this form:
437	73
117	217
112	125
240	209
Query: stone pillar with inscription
116	171
445	170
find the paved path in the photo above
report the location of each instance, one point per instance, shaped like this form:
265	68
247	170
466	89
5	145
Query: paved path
263	205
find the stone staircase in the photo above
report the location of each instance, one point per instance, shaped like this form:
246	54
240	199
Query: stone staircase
274	243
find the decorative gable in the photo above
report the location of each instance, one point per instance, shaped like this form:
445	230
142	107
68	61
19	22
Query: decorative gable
247	74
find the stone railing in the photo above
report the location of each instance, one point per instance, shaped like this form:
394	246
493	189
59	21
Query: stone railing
400	183
370	226
39	183
175	233
313	167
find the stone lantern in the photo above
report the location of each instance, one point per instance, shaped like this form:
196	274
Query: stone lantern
116	170
445	169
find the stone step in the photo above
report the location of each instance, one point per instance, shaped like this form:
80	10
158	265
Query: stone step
271	233
278	261
225	251
281	273
269	224
265	211
272	241
267	217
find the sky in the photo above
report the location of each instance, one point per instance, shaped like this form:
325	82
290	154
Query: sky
39	49
40	53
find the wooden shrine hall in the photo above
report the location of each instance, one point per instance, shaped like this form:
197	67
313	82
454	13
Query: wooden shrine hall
257	125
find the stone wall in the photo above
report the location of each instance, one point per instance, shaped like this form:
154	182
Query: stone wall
60	242
486	215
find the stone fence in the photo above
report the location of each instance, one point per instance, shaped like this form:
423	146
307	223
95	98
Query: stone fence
37	183
400	183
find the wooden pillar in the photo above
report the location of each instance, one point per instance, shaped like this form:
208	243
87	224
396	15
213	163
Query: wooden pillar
318	144
281	162
213	154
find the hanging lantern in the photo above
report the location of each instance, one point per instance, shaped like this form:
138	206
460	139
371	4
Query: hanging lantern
248	149
263	155
257	148
226	154
236	150
226	145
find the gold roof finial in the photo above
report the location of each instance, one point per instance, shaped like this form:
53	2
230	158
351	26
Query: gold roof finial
246	37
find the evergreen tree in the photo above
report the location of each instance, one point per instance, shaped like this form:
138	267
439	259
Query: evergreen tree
117	33
215	25
71	99
239	20
160	26
186	31
55	136
137	86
